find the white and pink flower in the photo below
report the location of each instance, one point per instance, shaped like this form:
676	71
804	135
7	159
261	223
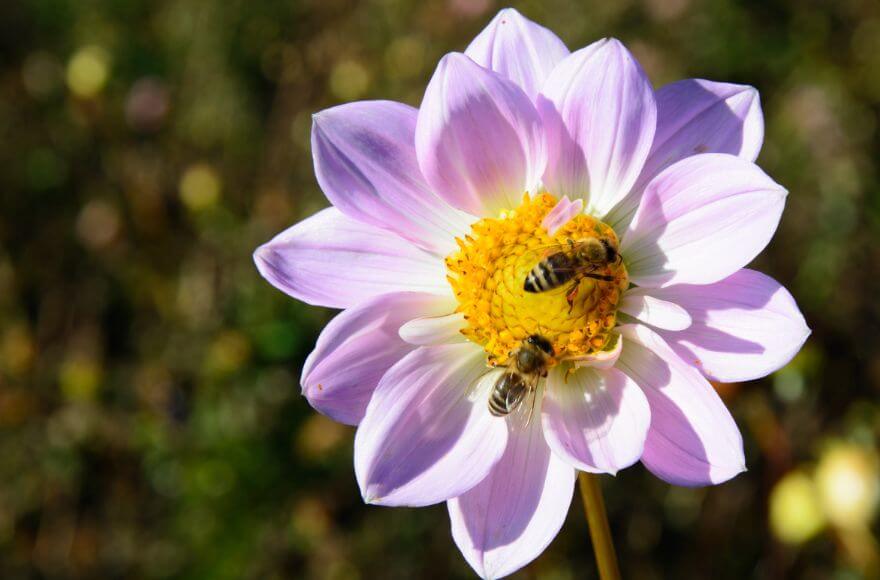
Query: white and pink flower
671	171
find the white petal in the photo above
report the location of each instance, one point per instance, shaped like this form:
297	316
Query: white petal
596	420
332	260
427	435
643	304
365	161
745	326
701	220
479	139
518	49
509	518
693	440
600	116
430	330
357	348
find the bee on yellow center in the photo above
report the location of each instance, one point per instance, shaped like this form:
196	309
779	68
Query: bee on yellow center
512	280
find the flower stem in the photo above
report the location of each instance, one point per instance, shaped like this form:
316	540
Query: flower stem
594	506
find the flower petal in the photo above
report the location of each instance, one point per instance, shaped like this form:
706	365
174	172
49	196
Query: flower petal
697	116
478	138
693	440
357	347
518	49
599	116
701	220
596	420
331	260
509	518
430	330
643	303
428	435
744	327
365	161
561	214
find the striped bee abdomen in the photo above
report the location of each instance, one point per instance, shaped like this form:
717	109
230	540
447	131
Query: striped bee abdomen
508	392
551	272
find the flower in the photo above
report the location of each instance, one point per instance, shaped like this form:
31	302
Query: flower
438	215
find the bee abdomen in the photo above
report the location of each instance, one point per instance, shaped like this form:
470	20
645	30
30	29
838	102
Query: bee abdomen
548	274
506	395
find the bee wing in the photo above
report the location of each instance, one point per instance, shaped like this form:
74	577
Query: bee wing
538	253
526	409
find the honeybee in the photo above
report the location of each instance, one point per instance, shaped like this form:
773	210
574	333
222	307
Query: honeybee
529	362
572	262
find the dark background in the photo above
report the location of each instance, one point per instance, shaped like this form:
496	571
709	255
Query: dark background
150	418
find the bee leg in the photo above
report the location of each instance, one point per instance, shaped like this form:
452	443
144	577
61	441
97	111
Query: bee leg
602	277
572	294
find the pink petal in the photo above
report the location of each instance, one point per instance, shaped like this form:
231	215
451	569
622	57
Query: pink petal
744	327
561	214
509	518
430	330
693	440
701	220
643	303
599	116
697	116
365	161
597	420
518	49
332	260
478	138
428	435
357	347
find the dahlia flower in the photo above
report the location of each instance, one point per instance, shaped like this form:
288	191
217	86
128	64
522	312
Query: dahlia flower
439	213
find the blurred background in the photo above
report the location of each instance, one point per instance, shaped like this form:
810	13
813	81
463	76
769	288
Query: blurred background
150	418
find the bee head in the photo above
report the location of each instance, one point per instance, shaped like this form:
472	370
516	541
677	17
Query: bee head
611	254
541	342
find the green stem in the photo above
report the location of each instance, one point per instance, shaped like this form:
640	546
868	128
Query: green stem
603	546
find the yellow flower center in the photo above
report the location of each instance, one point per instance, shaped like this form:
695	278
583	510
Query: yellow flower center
488	275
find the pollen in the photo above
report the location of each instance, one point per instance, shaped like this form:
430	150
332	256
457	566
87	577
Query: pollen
488	273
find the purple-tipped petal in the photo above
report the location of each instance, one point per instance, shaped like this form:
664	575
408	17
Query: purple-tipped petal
701	220
561	214
518	49
428	435
429	330
478	138
696	116
357	347
644	304
744	327
599	117
365	161
693	440
332	260
509	518
597	420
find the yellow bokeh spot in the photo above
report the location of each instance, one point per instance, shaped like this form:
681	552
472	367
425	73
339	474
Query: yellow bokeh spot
847	479
488	272
80	377
200	187
795	512
87	71
349	80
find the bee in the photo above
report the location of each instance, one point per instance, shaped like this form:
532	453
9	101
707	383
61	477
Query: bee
571	263
529	362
